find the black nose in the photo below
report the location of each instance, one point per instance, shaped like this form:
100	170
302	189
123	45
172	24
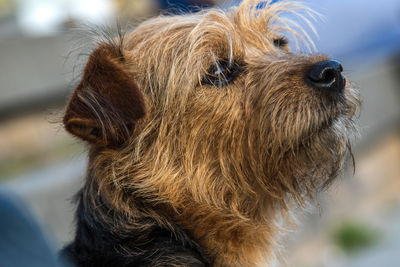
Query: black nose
327	76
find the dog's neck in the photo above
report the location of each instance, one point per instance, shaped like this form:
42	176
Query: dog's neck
229	239
228	236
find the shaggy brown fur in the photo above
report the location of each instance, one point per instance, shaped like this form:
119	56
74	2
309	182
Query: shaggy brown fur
176	144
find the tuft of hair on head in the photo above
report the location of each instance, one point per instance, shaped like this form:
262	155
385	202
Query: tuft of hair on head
281	18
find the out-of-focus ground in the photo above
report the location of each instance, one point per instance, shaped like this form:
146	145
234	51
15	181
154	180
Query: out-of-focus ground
367	203
358	222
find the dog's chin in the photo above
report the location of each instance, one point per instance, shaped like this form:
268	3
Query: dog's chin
326	130
327	125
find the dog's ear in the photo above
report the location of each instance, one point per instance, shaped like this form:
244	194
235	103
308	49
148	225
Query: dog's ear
107	103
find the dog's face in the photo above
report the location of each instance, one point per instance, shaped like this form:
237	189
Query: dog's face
216	105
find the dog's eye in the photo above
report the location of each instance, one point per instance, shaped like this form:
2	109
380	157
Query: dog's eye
281	42
221	73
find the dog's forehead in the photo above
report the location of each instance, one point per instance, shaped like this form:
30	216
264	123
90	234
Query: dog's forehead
219	32
209	29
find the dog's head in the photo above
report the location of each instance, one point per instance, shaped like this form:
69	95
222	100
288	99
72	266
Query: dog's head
214	106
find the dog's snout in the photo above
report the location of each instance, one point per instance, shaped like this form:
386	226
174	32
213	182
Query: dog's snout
327	75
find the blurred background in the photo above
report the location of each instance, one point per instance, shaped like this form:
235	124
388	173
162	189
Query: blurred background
358	221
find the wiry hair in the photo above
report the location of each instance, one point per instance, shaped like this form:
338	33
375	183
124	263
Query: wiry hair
257	19
223	163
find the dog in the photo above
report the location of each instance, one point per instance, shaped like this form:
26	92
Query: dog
204	132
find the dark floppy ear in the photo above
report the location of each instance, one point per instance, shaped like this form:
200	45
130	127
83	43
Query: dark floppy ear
107	103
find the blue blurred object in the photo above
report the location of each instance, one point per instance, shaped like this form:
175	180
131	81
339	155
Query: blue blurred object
22	242
358	30
179	6
263	4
